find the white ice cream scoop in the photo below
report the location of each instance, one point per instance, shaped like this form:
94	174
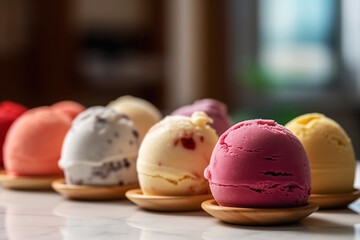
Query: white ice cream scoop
100	149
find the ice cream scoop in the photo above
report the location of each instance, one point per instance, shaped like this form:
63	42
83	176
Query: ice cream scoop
33	144
261	164
330	153
100	149
174	154
216	110
141	112
9	112
71	108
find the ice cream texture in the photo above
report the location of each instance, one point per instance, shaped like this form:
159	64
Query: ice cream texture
174	154
330	152
216	110
9	112
141	112
33	144
100	149
261	164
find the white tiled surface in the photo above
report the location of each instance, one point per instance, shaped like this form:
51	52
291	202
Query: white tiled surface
45	215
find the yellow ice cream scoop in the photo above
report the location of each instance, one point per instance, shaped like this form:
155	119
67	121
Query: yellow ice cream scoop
329	150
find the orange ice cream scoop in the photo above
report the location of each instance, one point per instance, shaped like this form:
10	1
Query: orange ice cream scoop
33	144
71	108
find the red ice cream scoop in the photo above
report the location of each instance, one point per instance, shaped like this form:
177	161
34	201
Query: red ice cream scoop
9	112
261	164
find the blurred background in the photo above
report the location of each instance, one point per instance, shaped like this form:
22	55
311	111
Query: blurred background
266	58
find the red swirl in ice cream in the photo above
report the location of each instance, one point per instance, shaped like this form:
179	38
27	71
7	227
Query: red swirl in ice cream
259	163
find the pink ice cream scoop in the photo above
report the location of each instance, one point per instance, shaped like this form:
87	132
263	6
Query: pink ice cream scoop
70	108
213	108
261	164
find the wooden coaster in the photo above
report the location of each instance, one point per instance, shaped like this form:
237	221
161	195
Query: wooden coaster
167	203
341	200
26	183
91	193
258	216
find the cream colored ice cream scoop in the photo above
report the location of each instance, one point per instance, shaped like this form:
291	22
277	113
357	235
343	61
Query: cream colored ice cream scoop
141	112
174	154
330	152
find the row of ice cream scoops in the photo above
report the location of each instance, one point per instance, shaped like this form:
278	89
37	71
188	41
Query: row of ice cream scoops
98	145
32	140
102	148
255	163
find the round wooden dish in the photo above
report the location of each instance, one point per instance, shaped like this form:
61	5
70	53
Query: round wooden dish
341	200
167	203
27	183
91	193
258	216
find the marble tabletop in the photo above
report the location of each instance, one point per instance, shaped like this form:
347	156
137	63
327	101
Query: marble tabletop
46	215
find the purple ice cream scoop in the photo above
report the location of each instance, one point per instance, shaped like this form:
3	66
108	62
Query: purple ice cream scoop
213	108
